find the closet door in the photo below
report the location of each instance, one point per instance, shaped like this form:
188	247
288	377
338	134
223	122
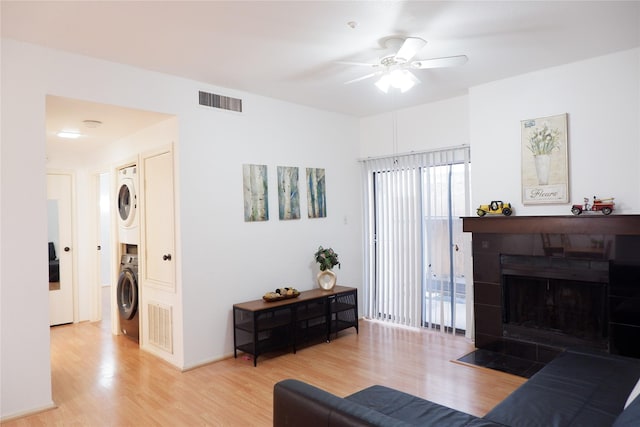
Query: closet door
60	236
159	220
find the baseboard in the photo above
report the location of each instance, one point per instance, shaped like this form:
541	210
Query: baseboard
17	415
206	362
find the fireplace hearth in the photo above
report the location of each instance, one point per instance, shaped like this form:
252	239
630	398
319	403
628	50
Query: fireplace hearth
543	284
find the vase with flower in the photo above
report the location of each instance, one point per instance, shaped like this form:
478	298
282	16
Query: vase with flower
542	142
327	259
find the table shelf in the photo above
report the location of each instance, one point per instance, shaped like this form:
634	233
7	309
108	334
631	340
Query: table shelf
260	327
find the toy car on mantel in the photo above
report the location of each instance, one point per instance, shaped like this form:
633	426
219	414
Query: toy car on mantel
603	205
496	207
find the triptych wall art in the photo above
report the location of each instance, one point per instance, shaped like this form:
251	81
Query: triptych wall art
288	196
256	202
256	191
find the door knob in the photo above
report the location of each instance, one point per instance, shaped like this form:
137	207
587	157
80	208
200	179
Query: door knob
67	248
166	257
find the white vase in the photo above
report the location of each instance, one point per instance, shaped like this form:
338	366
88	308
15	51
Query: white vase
326	279
543	163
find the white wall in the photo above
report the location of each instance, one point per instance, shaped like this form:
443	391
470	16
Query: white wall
426	127
224	259
601	98
24	302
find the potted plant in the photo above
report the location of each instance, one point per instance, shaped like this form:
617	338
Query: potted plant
326	259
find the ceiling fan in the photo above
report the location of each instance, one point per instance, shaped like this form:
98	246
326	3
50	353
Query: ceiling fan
396	69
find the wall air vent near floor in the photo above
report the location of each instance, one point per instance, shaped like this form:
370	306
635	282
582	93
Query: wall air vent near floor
219	101
161	327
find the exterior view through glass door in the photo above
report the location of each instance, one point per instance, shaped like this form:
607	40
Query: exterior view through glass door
444	279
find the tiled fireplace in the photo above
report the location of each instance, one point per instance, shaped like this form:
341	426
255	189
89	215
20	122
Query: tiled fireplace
542	284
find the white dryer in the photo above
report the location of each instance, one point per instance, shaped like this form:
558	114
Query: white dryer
127	205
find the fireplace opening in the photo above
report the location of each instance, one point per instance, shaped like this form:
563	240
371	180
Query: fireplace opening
555	302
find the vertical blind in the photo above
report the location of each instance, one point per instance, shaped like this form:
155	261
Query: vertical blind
408	233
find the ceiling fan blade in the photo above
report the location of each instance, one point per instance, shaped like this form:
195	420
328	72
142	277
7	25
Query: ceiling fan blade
409	49
412	77
368	76
449	61
359	64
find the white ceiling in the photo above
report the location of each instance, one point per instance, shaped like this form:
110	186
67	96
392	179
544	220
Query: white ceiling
291	49
115	123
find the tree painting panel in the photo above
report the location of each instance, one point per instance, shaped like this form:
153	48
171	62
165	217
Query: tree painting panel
288	195
316	193
256	204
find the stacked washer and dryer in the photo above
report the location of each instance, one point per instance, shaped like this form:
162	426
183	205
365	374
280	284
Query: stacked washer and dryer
128	294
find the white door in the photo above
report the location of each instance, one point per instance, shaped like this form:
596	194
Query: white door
60	249
104	261
159	220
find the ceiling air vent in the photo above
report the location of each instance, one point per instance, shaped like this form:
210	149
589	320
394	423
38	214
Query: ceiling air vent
219	101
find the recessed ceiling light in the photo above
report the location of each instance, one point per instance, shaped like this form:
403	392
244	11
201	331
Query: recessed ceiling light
92	124
69	134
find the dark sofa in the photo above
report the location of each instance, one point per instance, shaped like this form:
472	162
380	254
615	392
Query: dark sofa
580	388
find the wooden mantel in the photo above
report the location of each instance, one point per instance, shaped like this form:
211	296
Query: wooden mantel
569	224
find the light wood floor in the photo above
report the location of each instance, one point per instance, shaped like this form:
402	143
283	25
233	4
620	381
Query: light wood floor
105	380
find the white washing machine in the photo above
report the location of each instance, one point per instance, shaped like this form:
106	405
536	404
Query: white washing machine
127	205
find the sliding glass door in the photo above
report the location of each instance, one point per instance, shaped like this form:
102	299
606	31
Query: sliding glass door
444	250
414	249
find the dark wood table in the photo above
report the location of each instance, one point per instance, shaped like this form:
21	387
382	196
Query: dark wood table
260	326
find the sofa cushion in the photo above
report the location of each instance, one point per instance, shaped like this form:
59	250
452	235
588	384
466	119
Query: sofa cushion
578	388
412	409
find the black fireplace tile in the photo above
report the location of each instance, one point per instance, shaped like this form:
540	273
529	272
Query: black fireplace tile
487	293
625	340
502	362
486	267
625	280
488	319
533	369
625	310
521	349
627	249
511	365
517	244
488	341
486	243
482	357
547	354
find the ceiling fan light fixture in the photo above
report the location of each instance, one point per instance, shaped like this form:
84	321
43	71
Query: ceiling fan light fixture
398	79
384	83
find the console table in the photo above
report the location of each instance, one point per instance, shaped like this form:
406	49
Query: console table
260	326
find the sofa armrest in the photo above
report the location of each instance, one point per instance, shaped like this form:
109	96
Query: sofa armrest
296	403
